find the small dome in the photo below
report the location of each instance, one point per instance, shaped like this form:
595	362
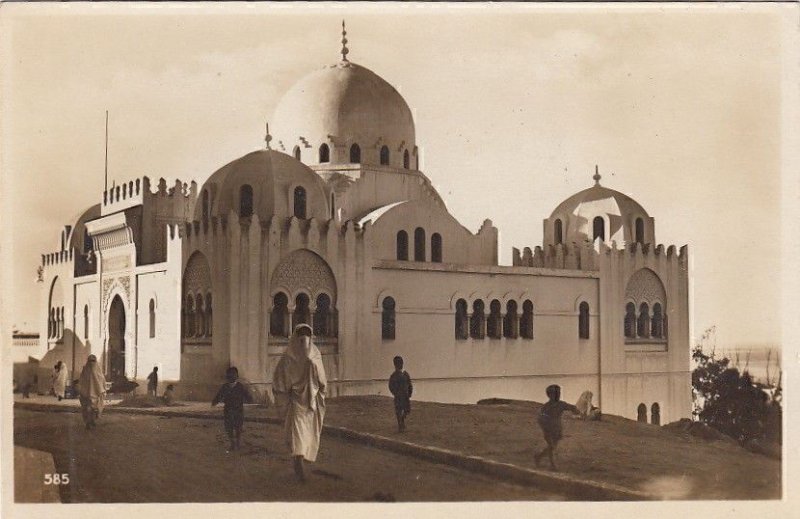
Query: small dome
339	106
599	212
278	185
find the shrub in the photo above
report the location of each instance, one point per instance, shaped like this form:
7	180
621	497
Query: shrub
732	403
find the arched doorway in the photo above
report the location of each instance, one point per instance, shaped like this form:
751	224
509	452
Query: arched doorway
116	339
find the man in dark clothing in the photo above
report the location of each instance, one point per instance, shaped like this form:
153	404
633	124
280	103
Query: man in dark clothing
400	387
550	422
234	395
152	382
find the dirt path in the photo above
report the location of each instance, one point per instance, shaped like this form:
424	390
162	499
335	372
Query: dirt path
615	450
133	458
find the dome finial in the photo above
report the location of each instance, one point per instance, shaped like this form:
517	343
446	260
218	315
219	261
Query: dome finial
268	137
345	50
596	176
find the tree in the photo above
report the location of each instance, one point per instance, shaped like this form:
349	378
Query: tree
732	402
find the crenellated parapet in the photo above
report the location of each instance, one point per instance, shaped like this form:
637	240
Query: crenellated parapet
589	256
139	191
58	258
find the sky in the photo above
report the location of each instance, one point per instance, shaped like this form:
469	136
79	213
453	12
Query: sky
514	105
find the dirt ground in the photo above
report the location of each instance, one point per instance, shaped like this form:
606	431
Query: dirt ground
135	458
614	450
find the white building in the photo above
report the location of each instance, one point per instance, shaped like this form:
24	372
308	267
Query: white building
334	224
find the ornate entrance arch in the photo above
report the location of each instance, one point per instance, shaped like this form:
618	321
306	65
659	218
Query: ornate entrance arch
116	339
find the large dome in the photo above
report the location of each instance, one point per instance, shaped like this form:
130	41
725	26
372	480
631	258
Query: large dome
599	211
339	106
271	180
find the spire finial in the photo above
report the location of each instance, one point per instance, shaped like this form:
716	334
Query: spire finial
345	50
596	176
268	137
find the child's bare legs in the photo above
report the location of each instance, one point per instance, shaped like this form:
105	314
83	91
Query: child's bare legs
401	420
550	451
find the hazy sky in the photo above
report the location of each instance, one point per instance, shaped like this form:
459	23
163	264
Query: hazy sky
681	109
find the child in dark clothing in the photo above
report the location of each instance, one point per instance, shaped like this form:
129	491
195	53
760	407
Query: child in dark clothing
234	395
550	422
400	386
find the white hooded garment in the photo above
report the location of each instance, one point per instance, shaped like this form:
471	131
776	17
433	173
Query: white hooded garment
299	383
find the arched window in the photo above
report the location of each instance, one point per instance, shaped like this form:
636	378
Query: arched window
655	414
406	161
477	323
322	316
296	152
200	316
190	326
558	231
51	324
279	318
419	244
61	323
598	228
355	154
324	154
641	413
643	330
302	312
495	324
583	320
300	202
511	321
639	230
388	319
630	321
384	155
206	206
526	323
209	316
402	246
245	201
152	318
462	325
436	248
657	325
86	321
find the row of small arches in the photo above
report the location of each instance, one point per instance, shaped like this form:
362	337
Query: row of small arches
419	246
478	325
645	325
55	323
324	155
323	318
598	230
197	316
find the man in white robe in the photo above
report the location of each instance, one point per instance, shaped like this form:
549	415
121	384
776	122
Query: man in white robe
299	387
60	382
92	390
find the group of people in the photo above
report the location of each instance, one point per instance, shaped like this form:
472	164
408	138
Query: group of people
299	385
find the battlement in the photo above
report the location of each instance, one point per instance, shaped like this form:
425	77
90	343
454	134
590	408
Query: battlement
136	192
57	258
587	255
310	230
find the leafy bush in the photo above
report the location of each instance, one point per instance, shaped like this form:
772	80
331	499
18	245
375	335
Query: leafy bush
732	403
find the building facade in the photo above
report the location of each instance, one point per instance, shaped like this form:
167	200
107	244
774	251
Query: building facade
333	224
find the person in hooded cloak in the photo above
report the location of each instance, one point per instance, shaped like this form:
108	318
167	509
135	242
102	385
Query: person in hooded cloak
60	381
299	387
92	390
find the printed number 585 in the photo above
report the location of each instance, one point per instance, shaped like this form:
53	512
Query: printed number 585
56	479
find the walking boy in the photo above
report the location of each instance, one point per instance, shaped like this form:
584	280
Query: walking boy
550	422
234	395
152	382
400	386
